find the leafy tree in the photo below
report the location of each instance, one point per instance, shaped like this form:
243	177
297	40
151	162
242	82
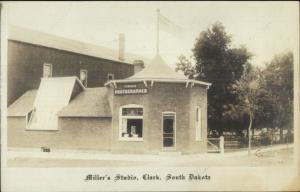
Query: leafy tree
218	63
278	76
239	92
185	65
265	96
252	96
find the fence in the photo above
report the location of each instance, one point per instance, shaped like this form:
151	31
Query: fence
215	145
233	142
264	139
267	139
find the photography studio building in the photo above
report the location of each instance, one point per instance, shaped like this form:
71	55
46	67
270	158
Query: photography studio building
145	109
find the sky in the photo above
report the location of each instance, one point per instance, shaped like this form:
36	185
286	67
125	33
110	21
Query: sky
265	28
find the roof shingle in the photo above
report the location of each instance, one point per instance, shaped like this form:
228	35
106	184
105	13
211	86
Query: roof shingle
92	102
22	105
158	69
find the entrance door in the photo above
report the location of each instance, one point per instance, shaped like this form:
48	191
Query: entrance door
169	130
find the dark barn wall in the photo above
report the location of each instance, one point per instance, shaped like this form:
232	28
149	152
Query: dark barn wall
25	67
73	134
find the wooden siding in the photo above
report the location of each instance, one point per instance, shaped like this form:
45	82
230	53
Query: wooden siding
25	67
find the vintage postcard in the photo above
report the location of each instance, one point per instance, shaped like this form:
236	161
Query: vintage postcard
150	96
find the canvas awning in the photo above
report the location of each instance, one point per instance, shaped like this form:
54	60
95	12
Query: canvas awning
53	94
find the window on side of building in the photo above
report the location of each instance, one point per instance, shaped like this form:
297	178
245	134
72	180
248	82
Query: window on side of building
47	70
83	76
131	123
198	123
110	76
29	116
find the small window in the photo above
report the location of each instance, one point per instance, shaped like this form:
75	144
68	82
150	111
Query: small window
198	124
110	77
30	117
83	76
131	123
47	70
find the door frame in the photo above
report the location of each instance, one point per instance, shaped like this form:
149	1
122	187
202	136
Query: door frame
173	114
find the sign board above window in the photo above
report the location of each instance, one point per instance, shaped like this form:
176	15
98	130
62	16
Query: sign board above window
132	111
131	91
130	86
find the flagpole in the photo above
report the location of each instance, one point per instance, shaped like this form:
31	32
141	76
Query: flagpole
157	34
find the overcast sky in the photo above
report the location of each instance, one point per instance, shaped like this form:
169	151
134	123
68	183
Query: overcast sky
265	28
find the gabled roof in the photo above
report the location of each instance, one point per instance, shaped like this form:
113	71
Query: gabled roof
22	105
47	40
92	102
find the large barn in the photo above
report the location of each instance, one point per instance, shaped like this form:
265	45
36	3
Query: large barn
33	55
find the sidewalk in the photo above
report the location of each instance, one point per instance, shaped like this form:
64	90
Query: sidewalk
107	156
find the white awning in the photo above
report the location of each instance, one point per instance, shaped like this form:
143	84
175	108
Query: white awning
53	94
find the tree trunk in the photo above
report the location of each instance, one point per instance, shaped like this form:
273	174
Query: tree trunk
281	134
249	137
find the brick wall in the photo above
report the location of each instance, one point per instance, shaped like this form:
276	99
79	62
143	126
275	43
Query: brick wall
160	98
198	98
128	146
103	133
73	133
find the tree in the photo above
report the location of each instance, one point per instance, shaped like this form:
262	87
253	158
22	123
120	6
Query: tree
265	96
278	76
185	65
251	94
226	67
221	65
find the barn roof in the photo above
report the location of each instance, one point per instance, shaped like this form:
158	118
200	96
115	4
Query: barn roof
22	105
52	41
92	102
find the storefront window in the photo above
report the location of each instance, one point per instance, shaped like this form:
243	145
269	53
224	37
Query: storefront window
131	122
